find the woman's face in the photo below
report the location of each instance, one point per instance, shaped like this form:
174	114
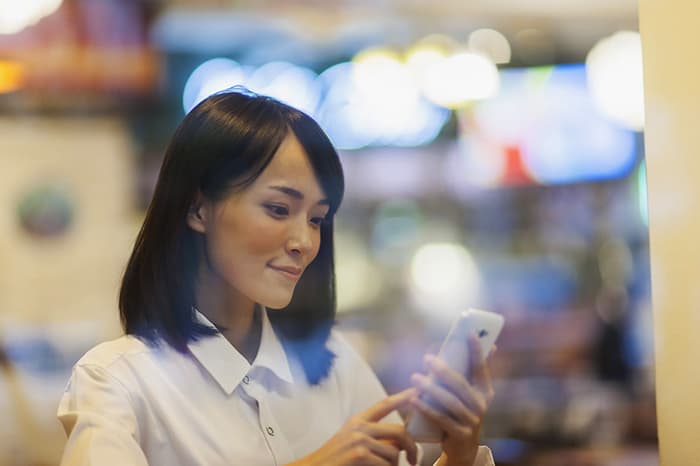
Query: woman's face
260	240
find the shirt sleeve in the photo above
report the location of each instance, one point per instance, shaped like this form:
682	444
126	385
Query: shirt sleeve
483	457
99	419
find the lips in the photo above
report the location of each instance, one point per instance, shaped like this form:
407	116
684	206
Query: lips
291	272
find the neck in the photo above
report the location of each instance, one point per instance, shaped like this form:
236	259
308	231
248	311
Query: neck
231	312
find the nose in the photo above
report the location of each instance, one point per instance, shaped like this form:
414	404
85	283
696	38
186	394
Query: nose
301	238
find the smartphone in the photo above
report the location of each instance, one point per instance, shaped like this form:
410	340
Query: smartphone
455	352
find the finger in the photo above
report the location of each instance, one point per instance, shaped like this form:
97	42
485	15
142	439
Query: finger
448	425
456	383
385	450
480	372
444	400
367	450
379	410
396	434
363	455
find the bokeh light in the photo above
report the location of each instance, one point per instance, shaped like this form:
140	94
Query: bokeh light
615	77
421	56
561	138
444	278
17	15
461	79
375	102
294	85
492	44
288	83
211	76
12	76
339	114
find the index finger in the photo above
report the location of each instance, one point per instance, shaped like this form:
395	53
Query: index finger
377	411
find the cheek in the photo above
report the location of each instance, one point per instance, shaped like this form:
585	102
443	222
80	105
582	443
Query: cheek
317	245
313	252
266	237
256	236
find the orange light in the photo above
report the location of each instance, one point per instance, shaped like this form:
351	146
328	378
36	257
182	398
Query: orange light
11	76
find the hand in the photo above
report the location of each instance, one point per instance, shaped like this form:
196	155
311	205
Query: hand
364	441
457	406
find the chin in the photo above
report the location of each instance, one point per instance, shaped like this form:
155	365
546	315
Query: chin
276	302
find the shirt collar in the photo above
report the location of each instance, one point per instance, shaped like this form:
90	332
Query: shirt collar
228	367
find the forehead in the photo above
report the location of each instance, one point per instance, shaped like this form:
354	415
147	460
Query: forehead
291	167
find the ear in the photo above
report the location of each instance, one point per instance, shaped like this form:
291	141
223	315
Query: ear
198	213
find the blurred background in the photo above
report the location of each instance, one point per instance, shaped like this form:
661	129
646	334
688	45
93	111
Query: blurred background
494	158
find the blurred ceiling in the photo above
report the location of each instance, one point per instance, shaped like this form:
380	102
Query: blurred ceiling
89	45
545	8
564	30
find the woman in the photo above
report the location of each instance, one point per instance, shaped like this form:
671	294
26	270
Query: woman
228	301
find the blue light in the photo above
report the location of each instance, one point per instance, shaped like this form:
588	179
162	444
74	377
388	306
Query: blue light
211	76
294	85
284	81
335	114
355	117
571	140
548	114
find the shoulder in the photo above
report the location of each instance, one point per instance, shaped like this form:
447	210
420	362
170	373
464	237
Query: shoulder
103	389
114	367
107	354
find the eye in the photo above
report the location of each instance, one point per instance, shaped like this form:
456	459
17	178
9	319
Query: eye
318	221
277	210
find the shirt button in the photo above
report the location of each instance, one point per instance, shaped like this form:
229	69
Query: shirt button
246	380
270	431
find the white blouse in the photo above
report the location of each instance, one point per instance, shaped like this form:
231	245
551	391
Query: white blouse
131	403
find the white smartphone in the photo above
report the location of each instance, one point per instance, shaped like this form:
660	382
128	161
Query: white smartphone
455	352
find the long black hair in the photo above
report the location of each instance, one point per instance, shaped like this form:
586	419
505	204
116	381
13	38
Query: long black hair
224	144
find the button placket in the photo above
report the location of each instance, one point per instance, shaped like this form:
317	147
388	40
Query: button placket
256	393
274	437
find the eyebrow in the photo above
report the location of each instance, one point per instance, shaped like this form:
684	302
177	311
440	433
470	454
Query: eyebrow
296	194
